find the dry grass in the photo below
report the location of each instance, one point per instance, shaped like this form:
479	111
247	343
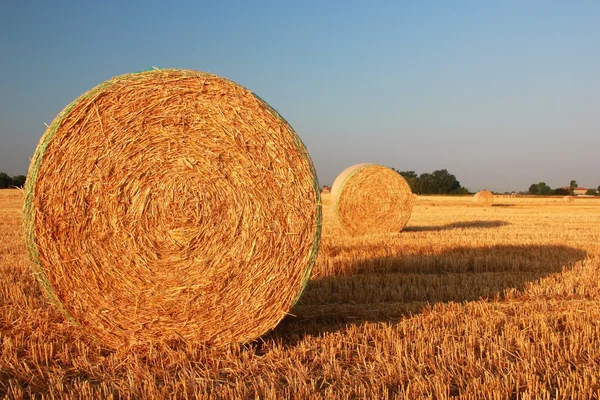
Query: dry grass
371	199
500	302
172	205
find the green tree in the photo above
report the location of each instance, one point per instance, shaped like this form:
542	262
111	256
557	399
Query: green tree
591	192
562	192
437	182
572	186
18	180
5	180
426	184
533	189
543	189
412	179
446	182
440	182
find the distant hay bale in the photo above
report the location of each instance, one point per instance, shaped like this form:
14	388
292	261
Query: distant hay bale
326	189
371	199
569	199
172	204
484	198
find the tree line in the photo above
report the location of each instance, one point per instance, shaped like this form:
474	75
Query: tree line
543	189
437	182
7	181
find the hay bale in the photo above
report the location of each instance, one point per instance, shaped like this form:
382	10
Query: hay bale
484	198
371	199
172	204
569	199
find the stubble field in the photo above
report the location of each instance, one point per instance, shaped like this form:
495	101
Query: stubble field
500	302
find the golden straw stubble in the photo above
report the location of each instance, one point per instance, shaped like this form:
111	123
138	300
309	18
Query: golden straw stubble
371	199
173	204
484	198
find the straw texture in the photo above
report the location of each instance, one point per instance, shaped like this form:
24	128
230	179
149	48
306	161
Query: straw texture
484	198
371	199
172	205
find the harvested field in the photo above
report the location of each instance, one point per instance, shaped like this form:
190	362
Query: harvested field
498	302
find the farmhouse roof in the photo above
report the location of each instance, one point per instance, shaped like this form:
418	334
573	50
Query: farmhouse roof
577	188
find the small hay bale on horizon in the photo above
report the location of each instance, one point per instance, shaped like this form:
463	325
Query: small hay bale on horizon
371	199
171	205
569	199
484	198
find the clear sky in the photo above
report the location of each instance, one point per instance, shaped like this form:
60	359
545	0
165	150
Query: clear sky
502	94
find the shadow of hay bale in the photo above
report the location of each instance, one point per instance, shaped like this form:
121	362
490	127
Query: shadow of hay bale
457	225
390	288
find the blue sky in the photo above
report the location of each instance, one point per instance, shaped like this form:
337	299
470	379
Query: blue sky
502	94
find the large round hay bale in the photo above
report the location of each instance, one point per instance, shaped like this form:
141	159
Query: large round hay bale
484	198
172	204
371	199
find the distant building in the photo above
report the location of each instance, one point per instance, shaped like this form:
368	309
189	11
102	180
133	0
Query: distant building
577	191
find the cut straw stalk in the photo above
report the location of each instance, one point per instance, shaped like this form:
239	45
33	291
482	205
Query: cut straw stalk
172	204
